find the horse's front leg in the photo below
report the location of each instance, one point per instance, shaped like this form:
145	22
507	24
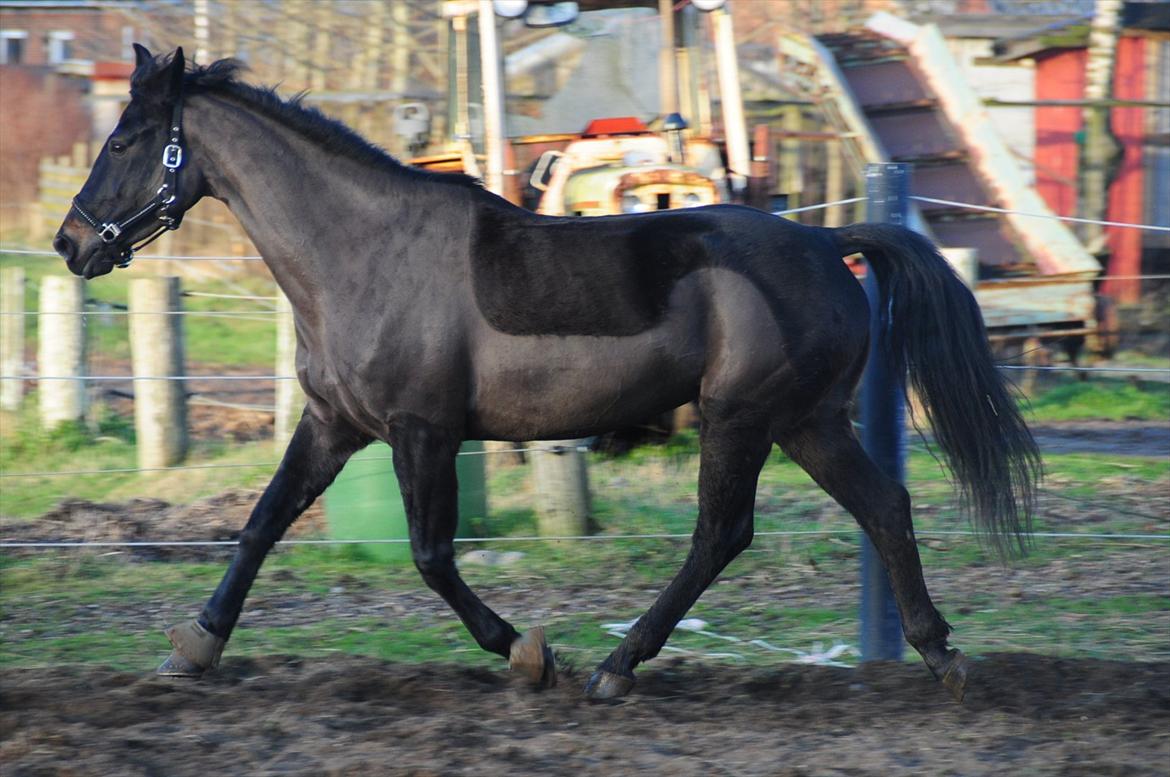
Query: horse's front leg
424	460
314	456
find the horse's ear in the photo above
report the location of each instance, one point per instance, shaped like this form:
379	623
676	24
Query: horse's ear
178	67
142	55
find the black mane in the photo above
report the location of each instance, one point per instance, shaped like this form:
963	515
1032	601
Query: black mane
222	78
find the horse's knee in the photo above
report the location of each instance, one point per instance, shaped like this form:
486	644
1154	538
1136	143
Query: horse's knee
434	563
253	539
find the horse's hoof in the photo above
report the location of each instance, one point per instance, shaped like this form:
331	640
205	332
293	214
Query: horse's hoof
195	651
533	658
178	666
604	685
954	677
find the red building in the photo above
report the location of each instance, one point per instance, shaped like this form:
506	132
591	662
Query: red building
1139	191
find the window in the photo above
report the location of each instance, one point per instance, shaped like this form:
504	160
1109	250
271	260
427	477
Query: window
12	46
59	46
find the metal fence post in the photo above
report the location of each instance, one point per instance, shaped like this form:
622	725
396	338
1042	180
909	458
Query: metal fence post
883	425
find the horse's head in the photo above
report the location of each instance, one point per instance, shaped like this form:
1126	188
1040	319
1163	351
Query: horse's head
141	183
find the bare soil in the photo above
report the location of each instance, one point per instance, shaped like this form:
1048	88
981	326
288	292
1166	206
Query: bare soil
216	518
1024	715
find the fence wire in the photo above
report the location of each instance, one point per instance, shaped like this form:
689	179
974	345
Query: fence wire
926	533
1052	216
257	315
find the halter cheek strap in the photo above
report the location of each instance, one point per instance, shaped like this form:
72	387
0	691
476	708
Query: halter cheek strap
162	204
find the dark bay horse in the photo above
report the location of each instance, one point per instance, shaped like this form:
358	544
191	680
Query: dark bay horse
429	311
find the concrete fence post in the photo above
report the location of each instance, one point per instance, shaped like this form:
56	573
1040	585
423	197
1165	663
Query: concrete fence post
156	351
290	397
562	488
12	330
61	350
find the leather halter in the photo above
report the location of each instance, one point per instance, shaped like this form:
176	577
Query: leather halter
162	203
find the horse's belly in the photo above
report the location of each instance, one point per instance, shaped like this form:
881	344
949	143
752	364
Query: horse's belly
541	387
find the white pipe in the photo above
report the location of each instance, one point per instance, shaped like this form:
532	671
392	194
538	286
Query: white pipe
734	126
493	99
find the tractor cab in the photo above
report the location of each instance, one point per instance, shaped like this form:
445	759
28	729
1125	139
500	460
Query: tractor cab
619	165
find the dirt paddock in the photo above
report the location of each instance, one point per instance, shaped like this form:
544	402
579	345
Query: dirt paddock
1024	715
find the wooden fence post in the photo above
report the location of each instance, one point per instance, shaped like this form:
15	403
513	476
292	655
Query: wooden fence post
11	337
290	397
834	183
156	351
61	350
562	489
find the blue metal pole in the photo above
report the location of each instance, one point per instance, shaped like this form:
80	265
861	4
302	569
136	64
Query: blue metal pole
883	425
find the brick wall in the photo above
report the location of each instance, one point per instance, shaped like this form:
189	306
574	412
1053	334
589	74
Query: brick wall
97	32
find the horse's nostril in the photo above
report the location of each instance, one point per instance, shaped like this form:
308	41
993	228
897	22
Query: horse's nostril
63	246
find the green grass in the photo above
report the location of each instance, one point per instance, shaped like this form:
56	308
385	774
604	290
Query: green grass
109	445
244	341
1101	399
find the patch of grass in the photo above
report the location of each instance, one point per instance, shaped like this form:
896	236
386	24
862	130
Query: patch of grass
1106	400
109	445
238	341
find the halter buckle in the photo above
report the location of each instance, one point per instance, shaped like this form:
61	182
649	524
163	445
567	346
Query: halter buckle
109	232
172	156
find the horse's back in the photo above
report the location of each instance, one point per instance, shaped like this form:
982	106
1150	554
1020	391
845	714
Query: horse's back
614	276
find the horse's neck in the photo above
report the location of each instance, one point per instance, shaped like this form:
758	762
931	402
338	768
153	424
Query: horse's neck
299	205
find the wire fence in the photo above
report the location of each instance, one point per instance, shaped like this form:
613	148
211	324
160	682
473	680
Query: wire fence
540	538
1052	216
264	314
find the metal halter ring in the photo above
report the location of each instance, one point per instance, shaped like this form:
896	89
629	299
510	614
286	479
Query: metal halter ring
109	232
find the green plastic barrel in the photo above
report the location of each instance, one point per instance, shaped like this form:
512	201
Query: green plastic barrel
364	502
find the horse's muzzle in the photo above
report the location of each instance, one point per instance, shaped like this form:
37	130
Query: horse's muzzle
97	263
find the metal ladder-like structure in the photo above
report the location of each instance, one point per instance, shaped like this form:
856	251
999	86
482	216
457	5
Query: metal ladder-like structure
894	89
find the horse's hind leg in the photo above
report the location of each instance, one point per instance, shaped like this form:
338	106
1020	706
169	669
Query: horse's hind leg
828	450
734	445
424	459
313	458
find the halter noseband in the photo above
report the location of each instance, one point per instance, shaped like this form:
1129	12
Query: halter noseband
164	199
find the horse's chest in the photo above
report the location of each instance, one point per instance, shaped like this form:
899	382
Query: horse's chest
371	379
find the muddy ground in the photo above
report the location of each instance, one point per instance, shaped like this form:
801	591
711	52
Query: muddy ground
1024	715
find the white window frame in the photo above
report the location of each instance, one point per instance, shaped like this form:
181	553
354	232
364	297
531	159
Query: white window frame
7	35
55	46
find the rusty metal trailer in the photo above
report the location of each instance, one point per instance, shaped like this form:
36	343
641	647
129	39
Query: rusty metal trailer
896	91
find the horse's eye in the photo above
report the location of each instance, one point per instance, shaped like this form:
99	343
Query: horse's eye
117	148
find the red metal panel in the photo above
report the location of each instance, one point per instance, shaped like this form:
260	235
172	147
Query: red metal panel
915	134
992	237
956	181
886	83
1128	188
1059	76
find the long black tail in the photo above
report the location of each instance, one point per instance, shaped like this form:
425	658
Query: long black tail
935	334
